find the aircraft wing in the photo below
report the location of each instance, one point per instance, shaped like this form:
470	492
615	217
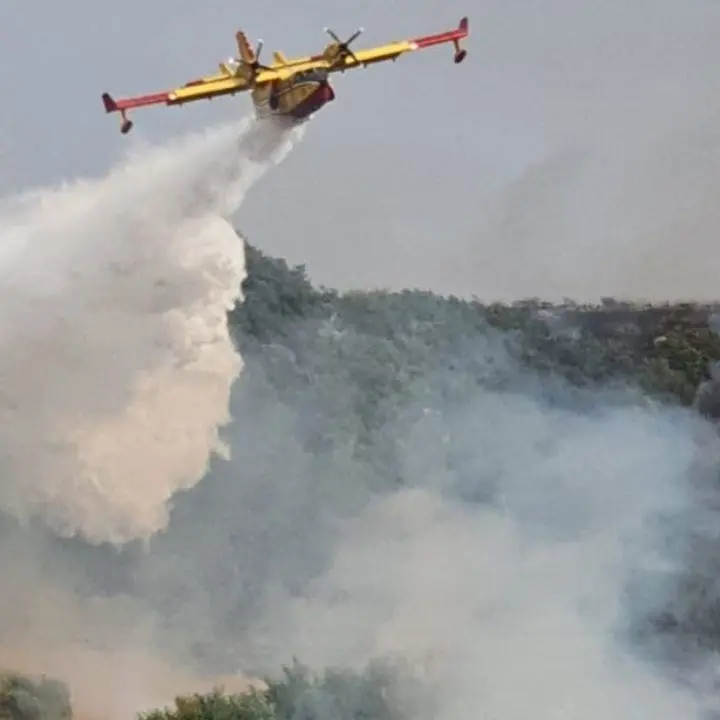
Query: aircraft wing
381	53
393	50
222	83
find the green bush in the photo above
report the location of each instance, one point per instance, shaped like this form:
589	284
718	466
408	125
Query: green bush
377	693
216	705
25	698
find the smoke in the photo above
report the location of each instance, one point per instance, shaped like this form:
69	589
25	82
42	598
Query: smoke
529	539
116	371
117	365
636	221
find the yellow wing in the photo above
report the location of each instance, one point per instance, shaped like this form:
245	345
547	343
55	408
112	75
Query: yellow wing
235	76
338	57
203	88
228	81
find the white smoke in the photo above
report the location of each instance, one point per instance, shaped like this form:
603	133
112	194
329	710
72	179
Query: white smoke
117	364
519	607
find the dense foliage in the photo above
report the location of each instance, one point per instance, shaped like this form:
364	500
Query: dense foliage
390	349
382	692
24	698
666	349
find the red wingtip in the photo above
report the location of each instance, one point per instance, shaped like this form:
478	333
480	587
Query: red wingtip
464	25
109	103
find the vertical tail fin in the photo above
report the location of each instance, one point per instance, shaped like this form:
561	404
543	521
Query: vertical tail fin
109	103
247	54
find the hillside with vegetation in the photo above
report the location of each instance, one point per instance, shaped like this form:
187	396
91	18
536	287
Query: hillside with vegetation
667	350
346	376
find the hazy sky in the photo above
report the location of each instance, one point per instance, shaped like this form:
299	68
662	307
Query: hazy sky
502	176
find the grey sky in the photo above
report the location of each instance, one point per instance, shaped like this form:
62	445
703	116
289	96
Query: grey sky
546	151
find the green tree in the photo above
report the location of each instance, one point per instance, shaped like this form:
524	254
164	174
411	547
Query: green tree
216	705
26	698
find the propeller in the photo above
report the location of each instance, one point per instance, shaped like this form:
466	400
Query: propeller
245	67
256	64
344	47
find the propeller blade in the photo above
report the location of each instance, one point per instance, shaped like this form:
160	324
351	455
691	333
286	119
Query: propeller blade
333	36
344	47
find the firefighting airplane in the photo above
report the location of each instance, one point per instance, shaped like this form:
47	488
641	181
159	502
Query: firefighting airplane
293	88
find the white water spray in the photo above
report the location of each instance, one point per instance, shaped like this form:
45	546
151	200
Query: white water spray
117	365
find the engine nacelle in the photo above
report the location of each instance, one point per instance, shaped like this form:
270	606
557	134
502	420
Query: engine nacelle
332	52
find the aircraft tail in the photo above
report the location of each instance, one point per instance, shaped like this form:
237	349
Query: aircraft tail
109	103
247	54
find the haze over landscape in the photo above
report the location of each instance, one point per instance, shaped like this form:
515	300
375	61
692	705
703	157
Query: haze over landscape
210	466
